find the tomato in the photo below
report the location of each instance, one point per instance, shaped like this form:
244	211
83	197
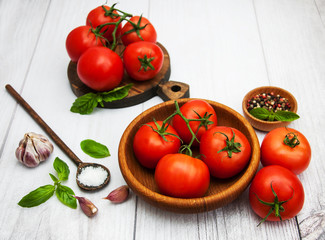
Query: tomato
225	150
140	25
149	146
286	147
283	202
102	15
195	109
179	175
143	60
100	69
80	39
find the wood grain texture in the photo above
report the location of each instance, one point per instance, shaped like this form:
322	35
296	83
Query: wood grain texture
221	48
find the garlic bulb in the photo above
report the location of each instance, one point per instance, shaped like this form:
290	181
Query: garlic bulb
33	149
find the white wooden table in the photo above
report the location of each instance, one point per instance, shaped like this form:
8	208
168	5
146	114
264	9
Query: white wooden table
221	48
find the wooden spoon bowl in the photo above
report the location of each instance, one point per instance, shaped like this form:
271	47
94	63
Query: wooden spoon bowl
262	125
220	192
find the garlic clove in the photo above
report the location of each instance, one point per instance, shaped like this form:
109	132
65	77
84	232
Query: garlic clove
118	195
87	206
33	149
43	148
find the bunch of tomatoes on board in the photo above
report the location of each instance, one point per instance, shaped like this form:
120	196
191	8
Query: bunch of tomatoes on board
93	46
275	193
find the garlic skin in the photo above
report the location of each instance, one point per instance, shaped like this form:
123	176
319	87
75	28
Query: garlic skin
33	149
118	195
87	206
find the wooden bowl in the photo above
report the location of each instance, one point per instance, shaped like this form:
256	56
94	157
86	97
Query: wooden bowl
262	125
220	192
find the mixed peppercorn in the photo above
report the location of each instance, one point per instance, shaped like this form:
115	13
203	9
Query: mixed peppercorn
269	101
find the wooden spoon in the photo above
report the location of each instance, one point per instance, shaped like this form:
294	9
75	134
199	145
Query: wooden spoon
81	165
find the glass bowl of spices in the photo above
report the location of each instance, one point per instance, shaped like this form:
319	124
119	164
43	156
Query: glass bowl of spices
269	107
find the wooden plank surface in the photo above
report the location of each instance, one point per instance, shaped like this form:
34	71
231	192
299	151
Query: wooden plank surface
221	48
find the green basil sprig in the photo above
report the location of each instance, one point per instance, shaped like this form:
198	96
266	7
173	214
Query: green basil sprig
264	114
94	149
86	103
44	193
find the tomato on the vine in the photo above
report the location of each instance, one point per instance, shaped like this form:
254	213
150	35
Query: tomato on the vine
143	60
276	194
137	29
153	141
195	109
104	14
100	68
286	147
80	39
179	175
225	150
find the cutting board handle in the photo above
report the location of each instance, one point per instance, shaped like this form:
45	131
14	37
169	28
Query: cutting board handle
172	90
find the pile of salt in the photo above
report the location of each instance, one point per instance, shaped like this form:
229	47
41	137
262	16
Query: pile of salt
92	176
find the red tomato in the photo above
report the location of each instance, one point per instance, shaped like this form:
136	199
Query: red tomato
149	146
179	175
140	26
195	109
102	15
225	150
143	60
100	69
287	195
286	147
79	40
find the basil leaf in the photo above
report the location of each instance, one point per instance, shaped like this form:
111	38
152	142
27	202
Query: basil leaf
285	116
117	93
85	104
54	178
62	169
37	197
260	113
65	195
94	149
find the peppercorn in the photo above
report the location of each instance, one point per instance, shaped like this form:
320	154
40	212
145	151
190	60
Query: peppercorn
268	101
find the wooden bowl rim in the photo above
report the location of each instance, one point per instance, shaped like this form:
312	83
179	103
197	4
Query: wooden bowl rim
239	185
262	89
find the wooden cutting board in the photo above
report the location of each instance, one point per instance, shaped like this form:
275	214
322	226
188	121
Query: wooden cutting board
141	90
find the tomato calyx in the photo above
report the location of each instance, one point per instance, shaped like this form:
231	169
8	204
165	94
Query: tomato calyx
275	206
162	130
136	27
231	145
146	63
291	140
110	12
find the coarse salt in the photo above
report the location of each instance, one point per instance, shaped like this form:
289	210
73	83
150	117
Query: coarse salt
92	176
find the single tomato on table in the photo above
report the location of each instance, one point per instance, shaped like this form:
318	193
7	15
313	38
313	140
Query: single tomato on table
137	29
103	15
286	147
225	150
80	39
143	60
195	109
153	141
276	194
182	176
100	69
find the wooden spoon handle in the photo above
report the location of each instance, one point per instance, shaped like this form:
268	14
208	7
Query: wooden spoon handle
43	124
172	90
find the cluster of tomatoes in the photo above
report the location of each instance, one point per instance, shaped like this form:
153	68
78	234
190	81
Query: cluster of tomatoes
165	147
93	46
276	192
